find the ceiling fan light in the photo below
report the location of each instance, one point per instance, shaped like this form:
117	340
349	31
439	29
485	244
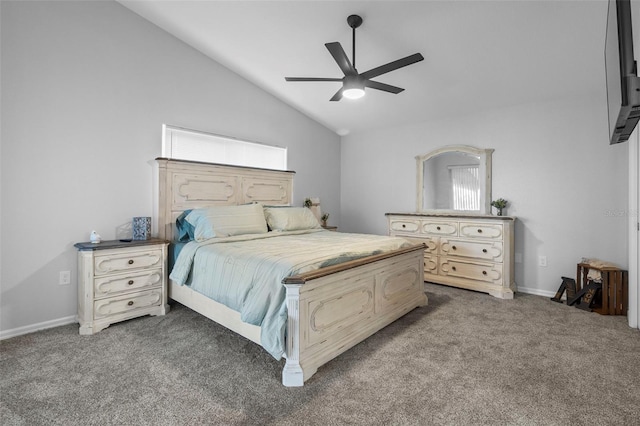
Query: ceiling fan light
353	93
353	88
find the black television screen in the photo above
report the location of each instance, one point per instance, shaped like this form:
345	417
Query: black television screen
623	83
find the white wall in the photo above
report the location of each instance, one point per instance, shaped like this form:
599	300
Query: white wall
552	162
86	87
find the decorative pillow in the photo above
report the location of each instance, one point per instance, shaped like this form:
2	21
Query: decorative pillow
225	221
185	230
290	218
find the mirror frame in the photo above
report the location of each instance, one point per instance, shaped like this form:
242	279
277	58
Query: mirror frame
485	184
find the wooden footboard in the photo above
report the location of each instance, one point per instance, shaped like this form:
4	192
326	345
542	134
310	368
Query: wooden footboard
332	309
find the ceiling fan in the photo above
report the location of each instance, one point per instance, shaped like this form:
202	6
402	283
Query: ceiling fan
353	83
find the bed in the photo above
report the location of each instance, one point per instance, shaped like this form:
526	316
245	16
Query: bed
328	310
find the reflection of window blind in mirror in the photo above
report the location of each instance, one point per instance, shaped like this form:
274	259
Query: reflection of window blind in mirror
465	185
184	144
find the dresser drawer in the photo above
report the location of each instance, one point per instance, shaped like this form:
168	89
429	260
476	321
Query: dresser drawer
430	267
104	308
431	243
405	225
473	249
440	228
491	231
487	272
127	260
135	281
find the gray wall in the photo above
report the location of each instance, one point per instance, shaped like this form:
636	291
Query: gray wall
86	87
552	162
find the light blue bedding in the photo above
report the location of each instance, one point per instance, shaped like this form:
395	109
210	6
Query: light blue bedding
245	272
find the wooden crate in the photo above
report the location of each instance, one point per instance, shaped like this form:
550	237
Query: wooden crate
614	298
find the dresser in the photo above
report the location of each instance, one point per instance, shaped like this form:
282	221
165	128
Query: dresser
120	280
472	252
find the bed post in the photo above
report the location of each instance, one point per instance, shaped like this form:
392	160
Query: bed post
164	201
292	374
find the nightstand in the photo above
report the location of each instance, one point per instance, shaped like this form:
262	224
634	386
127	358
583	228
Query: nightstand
120	280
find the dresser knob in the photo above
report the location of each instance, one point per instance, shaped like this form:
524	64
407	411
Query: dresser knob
479	231
484	272
484	250
453	268
130	261
438	228
453	247
130	303
130	282
404	226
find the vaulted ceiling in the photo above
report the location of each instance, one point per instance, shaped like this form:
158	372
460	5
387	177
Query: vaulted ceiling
478	54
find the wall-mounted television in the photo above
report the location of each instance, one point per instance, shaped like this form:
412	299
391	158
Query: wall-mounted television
623	83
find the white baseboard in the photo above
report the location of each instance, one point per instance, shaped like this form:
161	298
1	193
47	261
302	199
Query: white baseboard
19	331
536	291
6	334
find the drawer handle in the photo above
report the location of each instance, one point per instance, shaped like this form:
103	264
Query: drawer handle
130	303
438	228
484	272
479	231
453	247
130	261
130	282
453	268
484	250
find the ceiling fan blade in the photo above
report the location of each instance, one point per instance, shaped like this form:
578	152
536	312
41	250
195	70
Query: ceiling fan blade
337	96
391	66
341	58
383	87
311	79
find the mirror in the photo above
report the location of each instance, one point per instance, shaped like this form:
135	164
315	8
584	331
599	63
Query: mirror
455	179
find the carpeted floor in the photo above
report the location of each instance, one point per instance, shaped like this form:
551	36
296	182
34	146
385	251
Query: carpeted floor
466	358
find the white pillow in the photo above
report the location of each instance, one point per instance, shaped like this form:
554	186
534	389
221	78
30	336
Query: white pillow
225	221
290	218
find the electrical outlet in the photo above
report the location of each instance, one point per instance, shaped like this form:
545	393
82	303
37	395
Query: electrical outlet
542	260
518	258
65	278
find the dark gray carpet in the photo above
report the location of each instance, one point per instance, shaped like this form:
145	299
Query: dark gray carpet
467	358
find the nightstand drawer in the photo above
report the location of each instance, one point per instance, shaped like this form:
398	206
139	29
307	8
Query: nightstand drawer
135	281
127	303
128	260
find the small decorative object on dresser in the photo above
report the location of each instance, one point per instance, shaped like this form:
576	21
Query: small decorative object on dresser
120	280
94	237
141	228
499	204
473	252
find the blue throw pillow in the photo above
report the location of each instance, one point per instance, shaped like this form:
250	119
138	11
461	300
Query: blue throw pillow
185	230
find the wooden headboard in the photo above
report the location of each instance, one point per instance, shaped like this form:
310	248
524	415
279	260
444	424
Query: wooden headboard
190	184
